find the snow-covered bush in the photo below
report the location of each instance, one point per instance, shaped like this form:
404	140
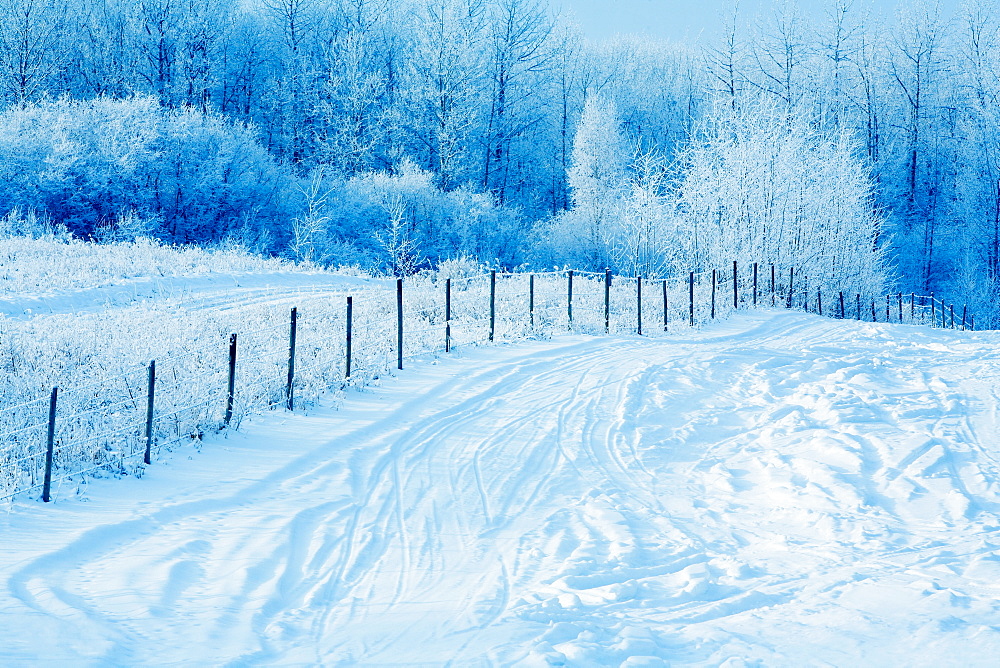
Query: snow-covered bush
400	222
103	165
30	225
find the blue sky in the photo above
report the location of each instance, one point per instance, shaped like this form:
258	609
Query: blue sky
679	19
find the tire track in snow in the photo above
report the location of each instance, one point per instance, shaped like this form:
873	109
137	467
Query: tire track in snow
585	501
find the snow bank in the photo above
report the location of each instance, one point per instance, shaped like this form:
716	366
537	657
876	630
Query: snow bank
777	489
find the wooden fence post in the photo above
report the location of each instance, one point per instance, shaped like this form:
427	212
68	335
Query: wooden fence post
231	392
791	283
933	312
874	315
666	310
913	300
858	305
819	300
150	390
50	446
965	310
691	299
952	307
399	323
736	292
638	304
772	284
755	284
607	301
713	293
292	327
493	303
899	297
531	299
888	300
569	299
447	315
349	333
842	316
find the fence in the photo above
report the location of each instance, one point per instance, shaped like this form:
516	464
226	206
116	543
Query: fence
119	422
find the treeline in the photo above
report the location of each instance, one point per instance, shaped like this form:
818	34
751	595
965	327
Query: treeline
400	133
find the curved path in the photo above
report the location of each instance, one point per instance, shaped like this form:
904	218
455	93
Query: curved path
778	488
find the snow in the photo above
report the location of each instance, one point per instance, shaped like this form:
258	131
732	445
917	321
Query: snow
778	488
214	290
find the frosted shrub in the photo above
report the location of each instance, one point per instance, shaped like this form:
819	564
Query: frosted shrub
31	225
400	222
109	164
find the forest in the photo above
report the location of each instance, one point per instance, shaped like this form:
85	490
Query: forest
391	136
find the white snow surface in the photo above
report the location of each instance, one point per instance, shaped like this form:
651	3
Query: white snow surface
776	489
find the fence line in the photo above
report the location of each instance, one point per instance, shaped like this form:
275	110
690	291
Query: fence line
292	362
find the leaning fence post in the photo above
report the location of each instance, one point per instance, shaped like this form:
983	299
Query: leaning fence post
493	303
399	323
447	315
691	299
231	385
842	316
292	327
952	307
638	304
755	284
150	389
569	299
349	334
50	446
713	293
736	292
607	301
666	311
531	299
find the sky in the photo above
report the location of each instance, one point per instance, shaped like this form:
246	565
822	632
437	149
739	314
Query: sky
683	20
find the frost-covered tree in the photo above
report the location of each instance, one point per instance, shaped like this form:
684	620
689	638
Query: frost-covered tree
519	52
356	114
642	237
596	180
761	185
445	85
32	48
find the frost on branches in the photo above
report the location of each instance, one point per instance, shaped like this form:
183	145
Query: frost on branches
755	183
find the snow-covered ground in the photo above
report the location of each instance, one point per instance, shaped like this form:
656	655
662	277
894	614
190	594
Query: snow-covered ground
778	488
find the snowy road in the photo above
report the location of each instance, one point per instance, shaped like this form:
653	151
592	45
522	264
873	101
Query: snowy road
778	488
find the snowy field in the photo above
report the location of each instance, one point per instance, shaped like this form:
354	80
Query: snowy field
776	489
